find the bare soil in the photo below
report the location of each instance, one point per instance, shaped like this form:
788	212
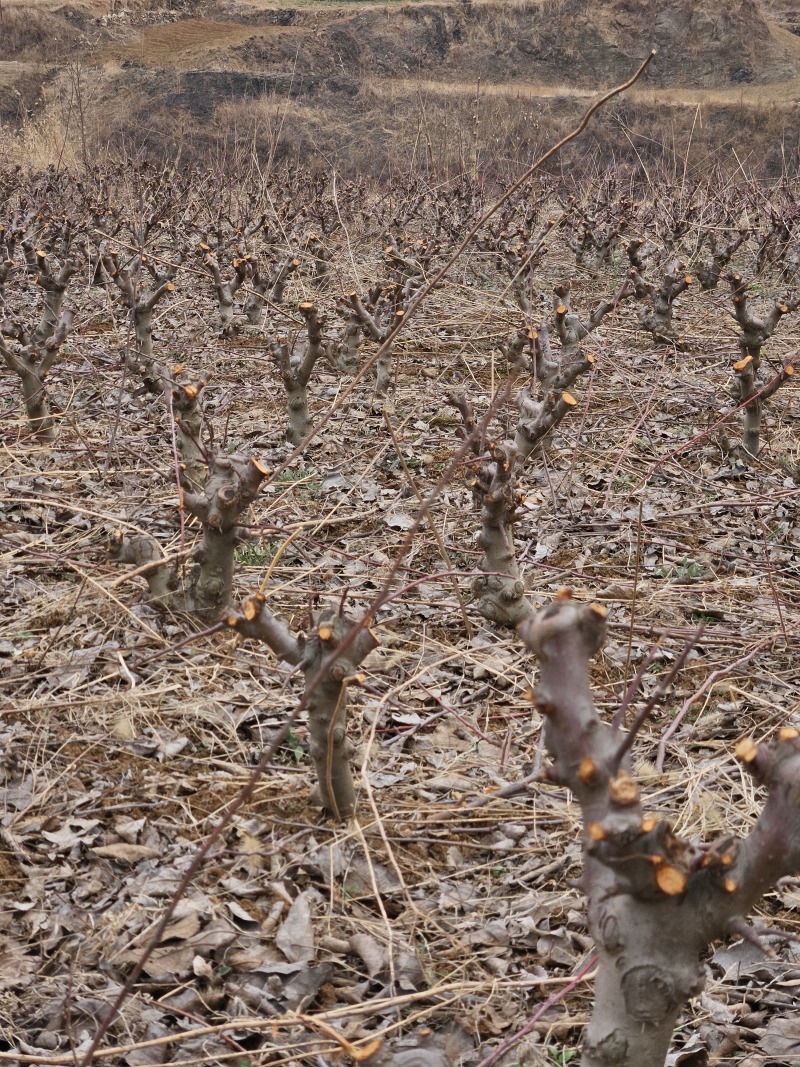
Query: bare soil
184	44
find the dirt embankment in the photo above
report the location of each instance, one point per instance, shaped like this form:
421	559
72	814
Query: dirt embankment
701	44
362	70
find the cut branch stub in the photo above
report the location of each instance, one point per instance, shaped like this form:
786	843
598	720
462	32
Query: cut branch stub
498	590
257	621
755	331
657	300
538	418
327	704
296	358
188	414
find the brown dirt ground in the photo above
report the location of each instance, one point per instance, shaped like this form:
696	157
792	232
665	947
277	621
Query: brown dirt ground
181	45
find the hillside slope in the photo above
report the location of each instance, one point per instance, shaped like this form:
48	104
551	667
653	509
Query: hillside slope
701	43
367	66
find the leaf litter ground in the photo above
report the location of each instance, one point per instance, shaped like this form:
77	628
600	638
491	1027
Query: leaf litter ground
450	904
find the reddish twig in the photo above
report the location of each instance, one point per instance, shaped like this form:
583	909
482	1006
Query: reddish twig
707	684
510	1042
771	580
658	693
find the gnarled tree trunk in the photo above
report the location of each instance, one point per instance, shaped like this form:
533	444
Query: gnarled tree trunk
655	900
329	659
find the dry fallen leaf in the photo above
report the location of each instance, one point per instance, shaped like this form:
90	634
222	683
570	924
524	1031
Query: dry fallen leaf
295	936
125	853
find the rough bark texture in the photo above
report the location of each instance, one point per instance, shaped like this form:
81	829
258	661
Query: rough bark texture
774	243
143	551
518	253
499	593
547	400
315	248
593	235
538	418
52	279
130	278
755	331
655	901
376	322
327	668
407	266
8	244
225	289
709	272
342	352
639	250
188	415
571	329
231	486
267	287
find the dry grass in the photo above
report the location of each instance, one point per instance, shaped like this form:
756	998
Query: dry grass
367	96
40	143
38	35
